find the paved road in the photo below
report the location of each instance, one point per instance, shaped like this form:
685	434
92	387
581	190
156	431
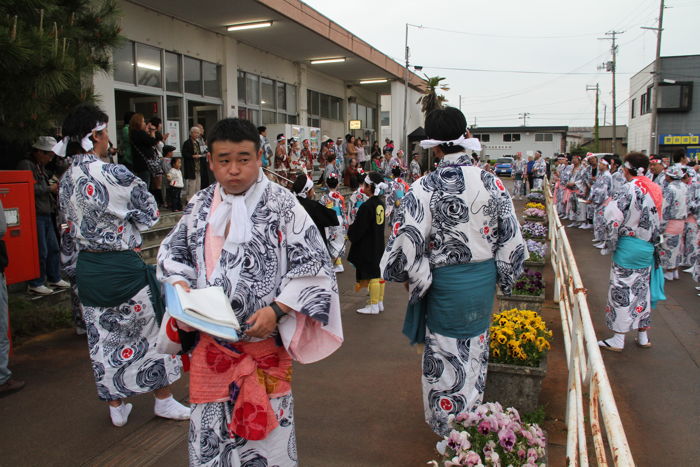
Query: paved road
658	389
360	407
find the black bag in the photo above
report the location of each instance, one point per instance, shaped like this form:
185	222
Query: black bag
154	164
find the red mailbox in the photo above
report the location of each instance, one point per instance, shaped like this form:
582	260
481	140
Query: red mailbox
17	196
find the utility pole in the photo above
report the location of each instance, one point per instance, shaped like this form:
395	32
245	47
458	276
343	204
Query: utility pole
654	146
596	127
611	66
405	100
460	102
523	116
605	114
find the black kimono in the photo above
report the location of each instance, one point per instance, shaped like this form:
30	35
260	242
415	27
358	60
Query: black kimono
321	215
366	235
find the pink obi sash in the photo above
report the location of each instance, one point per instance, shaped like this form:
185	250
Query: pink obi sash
249	375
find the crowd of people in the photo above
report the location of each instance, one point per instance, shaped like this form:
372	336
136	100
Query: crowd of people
645	211
254	227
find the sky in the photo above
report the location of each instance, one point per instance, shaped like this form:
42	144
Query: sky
556	39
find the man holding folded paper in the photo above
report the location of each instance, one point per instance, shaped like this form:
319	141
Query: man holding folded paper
250	237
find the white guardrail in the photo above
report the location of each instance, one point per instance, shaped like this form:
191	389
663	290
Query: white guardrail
587	376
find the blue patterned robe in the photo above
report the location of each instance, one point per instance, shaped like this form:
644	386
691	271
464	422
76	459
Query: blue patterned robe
105	206
455	215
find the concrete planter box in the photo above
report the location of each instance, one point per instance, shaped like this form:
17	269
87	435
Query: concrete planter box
541	220
535	266
514	385
521	302
537	239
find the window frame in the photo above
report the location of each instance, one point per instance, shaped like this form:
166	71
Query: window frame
686	96
281	114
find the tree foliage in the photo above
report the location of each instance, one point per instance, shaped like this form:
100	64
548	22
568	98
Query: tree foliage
50	52
430	100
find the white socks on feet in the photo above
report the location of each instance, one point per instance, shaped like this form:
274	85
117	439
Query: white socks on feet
120	414
170	408
643	338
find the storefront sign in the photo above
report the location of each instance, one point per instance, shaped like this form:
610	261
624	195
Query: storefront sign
355	124
679	139
693	152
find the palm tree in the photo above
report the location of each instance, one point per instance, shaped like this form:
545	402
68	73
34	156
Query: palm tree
430	100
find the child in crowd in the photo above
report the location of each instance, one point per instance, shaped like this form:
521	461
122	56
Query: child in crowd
175	184
397	190
356	198
336	234
366	235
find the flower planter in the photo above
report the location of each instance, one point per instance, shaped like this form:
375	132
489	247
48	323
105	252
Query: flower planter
535	266
514	385
522	302
537	239
541	220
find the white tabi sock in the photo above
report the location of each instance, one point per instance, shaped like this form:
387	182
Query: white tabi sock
120	414
643	338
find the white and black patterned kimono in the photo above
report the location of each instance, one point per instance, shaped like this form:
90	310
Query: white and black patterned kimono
618	179
105	206
631	212
675	211
457	214
519	167
577	210
690	232
539	170
600	191
562	193
415	170
286	261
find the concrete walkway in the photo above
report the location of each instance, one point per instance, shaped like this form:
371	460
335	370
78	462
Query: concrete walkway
657	390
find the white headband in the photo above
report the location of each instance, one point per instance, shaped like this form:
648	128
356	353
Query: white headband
467	143
604	162
628	166
307	187
381	186
86	143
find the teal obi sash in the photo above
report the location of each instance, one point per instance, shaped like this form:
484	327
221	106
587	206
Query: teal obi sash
458	304
634	253
112	278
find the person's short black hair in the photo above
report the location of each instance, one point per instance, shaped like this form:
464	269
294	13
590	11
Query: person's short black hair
445	125
78	123
332	182
677	155
127	117
262	129
348	137
167	149
637	160
608	158
235	130
299	183
155	121
281	135
396	171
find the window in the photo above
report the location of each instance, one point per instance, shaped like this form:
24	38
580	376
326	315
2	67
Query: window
483	137
675	97
211	81
266	101
123	60
633	110
172	72
193	76
511	137
540	137
148	66
645	102
321	105
385	118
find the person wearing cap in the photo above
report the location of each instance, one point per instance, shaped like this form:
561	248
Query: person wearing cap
456	238
634	230
366	235
600	194
336	234
45	191
675	212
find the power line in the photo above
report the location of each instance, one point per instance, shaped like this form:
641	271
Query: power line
501	36
529	72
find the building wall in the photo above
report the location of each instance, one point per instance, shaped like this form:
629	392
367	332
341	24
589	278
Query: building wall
682	69
496	147
414	118
639	127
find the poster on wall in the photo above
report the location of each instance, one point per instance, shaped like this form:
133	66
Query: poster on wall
173	130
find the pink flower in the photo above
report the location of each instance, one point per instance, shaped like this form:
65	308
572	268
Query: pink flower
532	454
473	458
484	427
506	438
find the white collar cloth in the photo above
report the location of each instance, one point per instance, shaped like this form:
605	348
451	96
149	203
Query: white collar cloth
237	210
